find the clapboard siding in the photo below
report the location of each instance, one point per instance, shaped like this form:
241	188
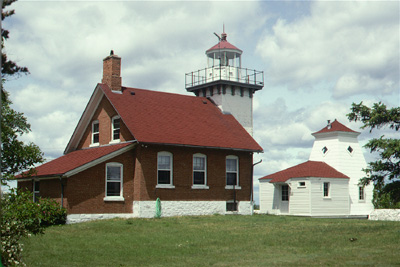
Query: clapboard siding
336	204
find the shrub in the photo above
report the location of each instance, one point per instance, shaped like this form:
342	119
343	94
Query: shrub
21	216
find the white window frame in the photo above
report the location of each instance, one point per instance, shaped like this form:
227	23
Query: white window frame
237	173
170	169
36	191
113	129
288	192
328	191
121	181
92	143
361	193
204	185
301	184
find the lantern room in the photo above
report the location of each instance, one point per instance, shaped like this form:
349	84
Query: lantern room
224	54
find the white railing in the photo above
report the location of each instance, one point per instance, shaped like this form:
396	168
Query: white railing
226	73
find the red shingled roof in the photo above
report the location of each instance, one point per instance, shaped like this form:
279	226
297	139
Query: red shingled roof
75	159
335	127
223	45
306	169
166	118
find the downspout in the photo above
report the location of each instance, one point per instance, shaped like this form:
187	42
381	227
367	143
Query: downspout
62	192
251	194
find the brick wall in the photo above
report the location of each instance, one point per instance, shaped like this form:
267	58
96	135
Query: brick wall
85	191
182	174
104	114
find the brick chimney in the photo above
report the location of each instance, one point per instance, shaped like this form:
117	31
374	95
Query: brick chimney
112	71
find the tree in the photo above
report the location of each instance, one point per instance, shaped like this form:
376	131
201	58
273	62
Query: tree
384	172
16	156
8	67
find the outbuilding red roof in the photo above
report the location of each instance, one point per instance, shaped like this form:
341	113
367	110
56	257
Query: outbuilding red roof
307	169
75	159
335	126
167	118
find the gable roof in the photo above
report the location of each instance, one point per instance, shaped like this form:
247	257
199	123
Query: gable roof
173	119
79	160
335	126
307	169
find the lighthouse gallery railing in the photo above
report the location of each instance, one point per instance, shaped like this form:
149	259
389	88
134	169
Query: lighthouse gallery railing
227	73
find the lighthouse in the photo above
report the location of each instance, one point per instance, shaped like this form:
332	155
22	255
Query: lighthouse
226	83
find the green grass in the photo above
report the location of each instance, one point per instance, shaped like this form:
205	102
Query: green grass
258	240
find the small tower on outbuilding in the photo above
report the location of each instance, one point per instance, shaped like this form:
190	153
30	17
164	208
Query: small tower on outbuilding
226	83
337	145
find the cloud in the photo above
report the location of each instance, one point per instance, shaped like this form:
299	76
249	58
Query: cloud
354	46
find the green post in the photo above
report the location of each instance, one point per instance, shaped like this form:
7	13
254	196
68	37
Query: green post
158	208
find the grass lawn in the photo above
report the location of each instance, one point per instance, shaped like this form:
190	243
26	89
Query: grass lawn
258	240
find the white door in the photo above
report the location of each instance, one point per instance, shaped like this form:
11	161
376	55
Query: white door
284	207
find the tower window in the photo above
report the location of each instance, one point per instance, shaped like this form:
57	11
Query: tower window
324	150
350	149
361	195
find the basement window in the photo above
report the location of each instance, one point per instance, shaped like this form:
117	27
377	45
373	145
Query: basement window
231	206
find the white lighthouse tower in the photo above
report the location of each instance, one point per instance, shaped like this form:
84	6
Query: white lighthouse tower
226	83
338	146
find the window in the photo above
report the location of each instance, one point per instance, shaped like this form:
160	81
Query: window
114	181
361	195
302	184
116	121
164	168
231	206
285	192
95	132
199	170
326	189
350	150
36	191
324	150
232	171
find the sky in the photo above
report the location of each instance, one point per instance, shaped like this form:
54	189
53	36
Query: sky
317	57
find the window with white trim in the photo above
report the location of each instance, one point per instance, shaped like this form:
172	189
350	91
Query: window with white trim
116	128
95	132
361	193
232	171
164	168
114	179
36	191
285	192
326	189
199	170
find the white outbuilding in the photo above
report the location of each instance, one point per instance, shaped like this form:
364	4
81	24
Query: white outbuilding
326	185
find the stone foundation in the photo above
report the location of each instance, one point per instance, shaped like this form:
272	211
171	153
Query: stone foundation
147	209
385	215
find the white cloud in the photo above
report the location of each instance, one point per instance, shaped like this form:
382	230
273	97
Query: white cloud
354	45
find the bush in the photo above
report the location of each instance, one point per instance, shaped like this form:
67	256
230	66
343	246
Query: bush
21	216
